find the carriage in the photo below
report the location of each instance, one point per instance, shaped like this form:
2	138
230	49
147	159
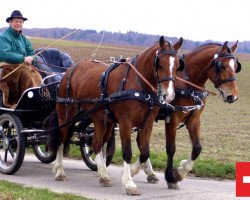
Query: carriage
23	127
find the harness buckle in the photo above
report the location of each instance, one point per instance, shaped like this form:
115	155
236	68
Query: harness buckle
148	97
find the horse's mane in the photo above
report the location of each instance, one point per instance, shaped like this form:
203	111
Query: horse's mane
210	45
206	45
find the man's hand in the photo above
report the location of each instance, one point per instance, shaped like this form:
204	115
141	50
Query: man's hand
28	60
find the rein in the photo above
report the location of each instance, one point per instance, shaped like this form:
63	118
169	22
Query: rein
142	77
196	86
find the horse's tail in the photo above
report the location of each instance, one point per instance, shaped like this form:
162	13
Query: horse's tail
53	139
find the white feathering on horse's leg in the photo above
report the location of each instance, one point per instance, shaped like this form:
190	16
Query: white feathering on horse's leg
127	181
148	169
58	166
104	151
185	167
105	179
135	168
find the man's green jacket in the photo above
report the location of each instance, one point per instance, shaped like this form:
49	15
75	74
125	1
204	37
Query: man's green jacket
14	47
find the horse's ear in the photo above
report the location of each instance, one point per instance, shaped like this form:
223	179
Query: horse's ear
225	46
162	42
234	47
178	44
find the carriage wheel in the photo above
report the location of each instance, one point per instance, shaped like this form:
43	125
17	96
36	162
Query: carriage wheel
87	152
12	144
43	154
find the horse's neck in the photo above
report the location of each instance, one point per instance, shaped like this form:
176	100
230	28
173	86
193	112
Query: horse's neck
197	66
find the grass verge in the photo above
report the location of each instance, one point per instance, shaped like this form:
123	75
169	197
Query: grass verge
13	191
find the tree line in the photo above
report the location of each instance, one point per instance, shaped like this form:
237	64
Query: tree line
129	38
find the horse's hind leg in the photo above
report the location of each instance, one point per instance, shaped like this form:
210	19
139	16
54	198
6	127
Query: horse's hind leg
144	161
187	165
58	165
98	147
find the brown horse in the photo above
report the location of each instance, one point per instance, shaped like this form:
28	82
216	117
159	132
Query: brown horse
158	65
17	82
209	61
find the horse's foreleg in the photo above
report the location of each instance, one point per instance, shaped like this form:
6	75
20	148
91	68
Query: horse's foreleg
148	169
143	138
170	175
187	165
100	160
127	181
58	166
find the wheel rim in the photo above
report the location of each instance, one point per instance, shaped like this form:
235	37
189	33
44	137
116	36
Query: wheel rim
89	153
8	144
43	151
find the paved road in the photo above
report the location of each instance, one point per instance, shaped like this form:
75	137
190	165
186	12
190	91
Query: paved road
85	182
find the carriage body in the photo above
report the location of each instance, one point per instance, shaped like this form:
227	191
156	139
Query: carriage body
24	127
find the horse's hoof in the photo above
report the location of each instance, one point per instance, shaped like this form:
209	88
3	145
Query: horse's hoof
178	177
61	178
105	182
152	178
132	191
173	186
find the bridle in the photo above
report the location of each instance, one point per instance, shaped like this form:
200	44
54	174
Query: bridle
156	65
217	61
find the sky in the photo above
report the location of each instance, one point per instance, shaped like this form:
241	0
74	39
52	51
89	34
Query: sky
198	20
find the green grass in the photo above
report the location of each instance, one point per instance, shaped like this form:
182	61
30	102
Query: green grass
12	191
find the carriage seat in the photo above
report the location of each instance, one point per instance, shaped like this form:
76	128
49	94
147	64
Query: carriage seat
53	60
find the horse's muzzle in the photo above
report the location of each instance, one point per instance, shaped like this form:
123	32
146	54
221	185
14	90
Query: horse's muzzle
167	98
231	99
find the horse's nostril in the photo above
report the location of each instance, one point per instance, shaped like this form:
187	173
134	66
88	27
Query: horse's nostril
165	96
231	99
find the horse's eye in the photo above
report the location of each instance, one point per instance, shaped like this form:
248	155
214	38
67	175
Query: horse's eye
223	67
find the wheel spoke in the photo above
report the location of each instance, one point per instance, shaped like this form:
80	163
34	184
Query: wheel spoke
9	130
12	153
12	140
5	155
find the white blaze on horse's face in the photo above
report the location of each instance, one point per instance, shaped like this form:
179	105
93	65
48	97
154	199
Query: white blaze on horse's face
168	93
232	63
226	92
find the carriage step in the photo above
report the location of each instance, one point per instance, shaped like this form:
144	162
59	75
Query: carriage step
32	131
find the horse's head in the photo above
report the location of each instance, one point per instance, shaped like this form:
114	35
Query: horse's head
167	63
222	72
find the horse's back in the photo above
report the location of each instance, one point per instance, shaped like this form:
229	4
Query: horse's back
84	79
